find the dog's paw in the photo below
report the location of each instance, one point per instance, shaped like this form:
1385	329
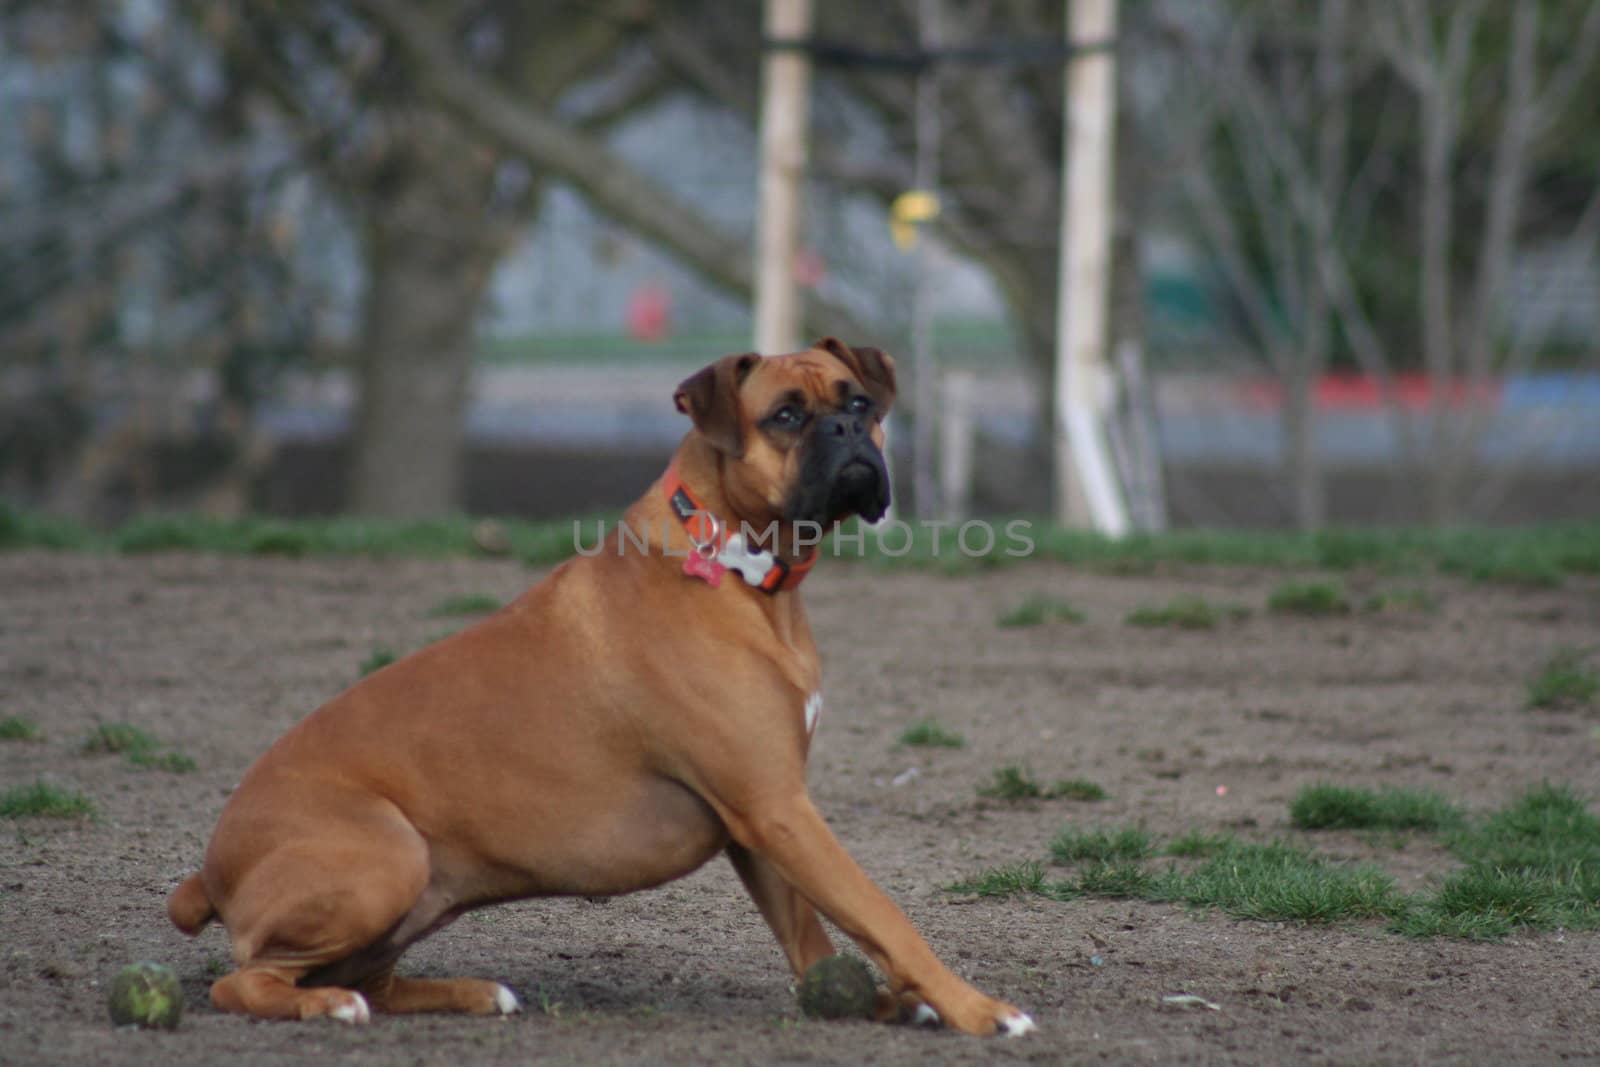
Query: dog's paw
505	1001
352	1008
984	1017
923	1015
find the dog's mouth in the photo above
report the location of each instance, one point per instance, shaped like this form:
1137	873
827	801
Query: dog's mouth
860	486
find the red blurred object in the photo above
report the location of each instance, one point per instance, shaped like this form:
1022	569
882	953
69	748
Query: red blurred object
809	269
650	312
1346	392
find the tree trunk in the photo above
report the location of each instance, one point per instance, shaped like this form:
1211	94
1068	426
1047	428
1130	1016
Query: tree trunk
431	239
1302	465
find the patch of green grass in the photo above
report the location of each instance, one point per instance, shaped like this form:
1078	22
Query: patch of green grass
14	728
379	658
44	799
1025	877
1116	880
26	529
1197	843
1102	845
1316	599
533	542
118	737
136	746
171	761
1535	864
1279	882
1076	789
1012	783
1401	602
466	604
1325	806
1187	613
1038	609
929	734
1423	921
1564	681
1539	555
1549	828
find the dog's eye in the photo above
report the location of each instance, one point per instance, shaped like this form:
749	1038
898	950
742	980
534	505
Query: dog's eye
859	405
788	417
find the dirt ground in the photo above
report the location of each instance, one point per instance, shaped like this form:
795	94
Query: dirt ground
218	656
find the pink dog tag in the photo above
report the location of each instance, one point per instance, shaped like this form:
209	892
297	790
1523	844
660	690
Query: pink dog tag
697	566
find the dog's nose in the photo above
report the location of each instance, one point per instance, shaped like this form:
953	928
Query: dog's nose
849	427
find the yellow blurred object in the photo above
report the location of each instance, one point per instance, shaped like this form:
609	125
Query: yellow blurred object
910	208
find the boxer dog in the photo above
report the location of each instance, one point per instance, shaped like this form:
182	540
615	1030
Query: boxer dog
633	715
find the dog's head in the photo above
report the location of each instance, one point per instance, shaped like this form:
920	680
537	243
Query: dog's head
801	435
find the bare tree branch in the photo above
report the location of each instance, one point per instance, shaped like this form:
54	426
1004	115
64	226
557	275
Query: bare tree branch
1566	78
609	182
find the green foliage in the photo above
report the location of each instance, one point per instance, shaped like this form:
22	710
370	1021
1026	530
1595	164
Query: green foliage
1278	882
1012	783
24	529
1325	806
1539	555
1308	598
929	734
118	737
378	659
1025	877
1186	613
1016	783
1104	845
1534	864
172	762
1401	602
1197	843
1115	880
1077	789
139	748
465	604
43	799
1037	609
1564	681
13	728
536	543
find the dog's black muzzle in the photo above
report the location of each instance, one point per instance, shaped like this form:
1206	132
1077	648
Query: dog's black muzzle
843	473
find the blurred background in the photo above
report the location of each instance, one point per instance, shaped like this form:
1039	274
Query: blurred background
406	258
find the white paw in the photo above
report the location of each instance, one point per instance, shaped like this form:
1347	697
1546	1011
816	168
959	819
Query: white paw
353	1011
925	1016
1017	1025
506	1001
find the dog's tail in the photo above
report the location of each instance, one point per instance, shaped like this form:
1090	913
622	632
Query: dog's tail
189	908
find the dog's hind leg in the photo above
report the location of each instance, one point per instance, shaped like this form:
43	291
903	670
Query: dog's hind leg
270	993
473	996
307	920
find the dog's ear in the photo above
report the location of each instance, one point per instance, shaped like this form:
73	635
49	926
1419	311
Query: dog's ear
873	368
711	399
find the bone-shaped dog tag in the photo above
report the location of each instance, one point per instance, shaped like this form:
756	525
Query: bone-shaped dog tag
752	566
698	566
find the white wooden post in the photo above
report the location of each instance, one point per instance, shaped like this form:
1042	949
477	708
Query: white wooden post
957	441
785	116
1087	489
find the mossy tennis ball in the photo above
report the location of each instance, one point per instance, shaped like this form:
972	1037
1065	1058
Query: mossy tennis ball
146	995
838	987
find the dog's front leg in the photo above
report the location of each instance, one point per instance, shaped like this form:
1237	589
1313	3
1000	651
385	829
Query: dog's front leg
789	836
793	920
795	924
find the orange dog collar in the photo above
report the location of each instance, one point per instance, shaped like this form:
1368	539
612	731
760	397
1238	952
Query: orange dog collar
717	551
